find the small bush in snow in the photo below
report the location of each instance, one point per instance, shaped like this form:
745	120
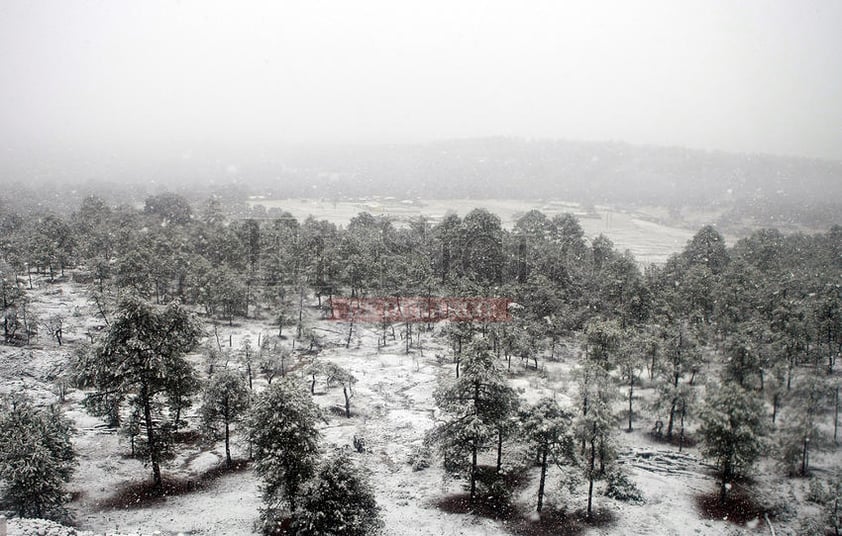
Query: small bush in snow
36	458
420	457
338	500
619	486
816	492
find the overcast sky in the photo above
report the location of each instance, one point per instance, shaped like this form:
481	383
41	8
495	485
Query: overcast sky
756	76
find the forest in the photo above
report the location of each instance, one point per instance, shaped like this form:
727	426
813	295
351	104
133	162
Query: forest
193	330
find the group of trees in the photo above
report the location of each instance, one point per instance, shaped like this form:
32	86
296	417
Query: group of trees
302	490
481	411
141	360
764	317
741	341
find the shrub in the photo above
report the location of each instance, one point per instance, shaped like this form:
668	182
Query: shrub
621	487
36	458
420	457
338	500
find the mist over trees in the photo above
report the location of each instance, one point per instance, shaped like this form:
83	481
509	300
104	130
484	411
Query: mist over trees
749	190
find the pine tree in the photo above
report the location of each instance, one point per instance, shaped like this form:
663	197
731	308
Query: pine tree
36	457
337	501
142	358
800	433
226	399
732	430
282	429
477	406
595	426
548	427
681	356
333	374
630	362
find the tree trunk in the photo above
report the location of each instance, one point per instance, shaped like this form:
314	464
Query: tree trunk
152	447
805	457
681	431
350	332
473	473
671	419
652	366
631	394
591	473
347	402
723	486
300	326
248	296
227	445
836	417
789	373
543	478
499	448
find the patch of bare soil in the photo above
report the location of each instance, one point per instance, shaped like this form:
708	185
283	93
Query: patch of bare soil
492	506
514	518
740	507
552	522
142	494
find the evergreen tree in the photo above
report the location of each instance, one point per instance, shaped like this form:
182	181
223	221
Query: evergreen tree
801	434
478	405
548	427
630	362
226	399
595	426
732	430
142	358
272	358
36	457
337	501
11	296
745	356
681	357
282	429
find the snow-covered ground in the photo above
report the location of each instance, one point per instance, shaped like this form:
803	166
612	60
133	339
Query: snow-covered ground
391	409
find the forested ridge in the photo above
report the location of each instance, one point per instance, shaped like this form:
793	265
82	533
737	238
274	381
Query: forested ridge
735	345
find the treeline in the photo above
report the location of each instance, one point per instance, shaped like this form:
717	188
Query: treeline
232	268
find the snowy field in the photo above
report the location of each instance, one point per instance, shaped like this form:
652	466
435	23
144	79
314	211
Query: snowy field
650	242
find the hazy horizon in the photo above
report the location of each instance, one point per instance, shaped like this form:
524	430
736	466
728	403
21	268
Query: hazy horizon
128	81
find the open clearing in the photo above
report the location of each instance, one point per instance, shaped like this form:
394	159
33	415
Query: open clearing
640	232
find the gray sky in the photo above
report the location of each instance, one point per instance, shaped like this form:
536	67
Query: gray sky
757	76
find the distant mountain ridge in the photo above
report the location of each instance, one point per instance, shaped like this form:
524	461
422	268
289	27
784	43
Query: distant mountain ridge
749	189
595	172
